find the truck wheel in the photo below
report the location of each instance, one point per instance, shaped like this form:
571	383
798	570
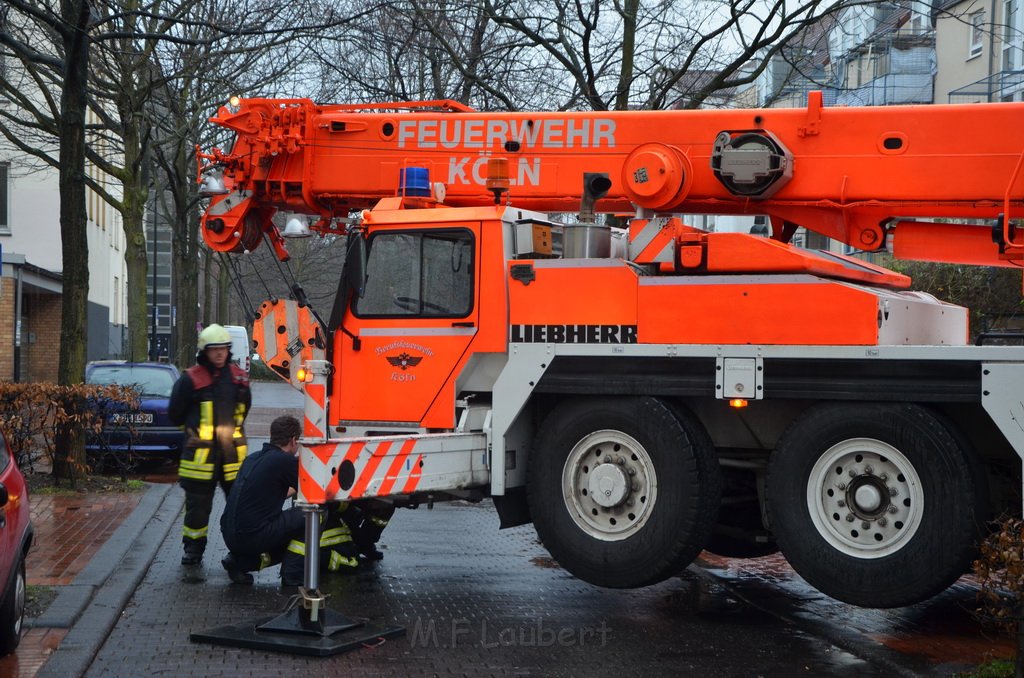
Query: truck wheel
12	612
874	504
623	493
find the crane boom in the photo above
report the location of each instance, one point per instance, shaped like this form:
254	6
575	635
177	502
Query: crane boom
847	173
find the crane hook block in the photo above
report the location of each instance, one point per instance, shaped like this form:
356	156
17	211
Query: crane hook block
752	164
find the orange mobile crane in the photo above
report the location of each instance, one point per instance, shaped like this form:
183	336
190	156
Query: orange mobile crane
640	394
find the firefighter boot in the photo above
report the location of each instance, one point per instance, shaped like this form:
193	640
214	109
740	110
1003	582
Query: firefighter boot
192	556
235	571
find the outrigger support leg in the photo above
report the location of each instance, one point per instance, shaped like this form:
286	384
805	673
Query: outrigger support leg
306	626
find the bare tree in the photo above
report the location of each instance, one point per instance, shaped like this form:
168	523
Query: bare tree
548	54
426	50
197	73
122	38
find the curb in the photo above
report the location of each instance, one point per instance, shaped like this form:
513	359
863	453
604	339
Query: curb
92	604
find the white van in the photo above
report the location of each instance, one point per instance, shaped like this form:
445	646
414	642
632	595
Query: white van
241	349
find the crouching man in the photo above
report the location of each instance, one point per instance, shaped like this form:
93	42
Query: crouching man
259	532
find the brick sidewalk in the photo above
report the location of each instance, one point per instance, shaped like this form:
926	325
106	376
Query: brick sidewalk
69	531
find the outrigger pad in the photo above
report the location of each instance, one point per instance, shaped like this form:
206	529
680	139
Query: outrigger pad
290	633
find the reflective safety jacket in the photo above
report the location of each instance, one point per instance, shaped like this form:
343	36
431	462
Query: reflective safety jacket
212	405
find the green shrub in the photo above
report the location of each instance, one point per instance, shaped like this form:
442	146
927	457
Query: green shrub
1000	571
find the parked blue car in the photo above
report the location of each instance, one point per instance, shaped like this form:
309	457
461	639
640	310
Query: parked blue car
133	435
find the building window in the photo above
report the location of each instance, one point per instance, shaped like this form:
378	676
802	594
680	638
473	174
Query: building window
1010	61
5	192
977	34
920	21
117	301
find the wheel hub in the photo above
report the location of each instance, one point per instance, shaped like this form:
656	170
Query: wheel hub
608	485
865	498
868	497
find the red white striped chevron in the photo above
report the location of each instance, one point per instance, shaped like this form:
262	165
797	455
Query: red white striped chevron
652	241
314	423
356	468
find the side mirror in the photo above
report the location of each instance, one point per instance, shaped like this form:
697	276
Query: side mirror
4	496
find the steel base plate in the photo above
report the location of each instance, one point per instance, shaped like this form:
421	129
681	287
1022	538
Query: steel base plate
290	633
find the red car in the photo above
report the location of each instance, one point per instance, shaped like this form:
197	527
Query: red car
15	540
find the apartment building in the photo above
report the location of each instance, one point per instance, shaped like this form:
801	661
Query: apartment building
31	284
982	51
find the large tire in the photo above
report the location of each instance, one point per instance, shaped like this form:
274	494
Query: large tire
12	612
623	492
875	504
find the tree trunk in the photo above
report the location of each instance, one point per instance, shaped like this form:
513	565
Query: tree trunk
186	290
629	11
135	258
69	461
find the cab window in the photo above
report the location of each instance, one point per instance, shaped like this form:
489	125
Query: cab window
424	274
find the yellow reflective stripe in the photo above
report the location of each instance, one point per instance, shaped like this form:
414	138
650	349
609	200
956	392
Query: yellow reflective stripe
297	547
337	561
192	533
242	452
195	475
206	420
201	455
232	468
197	471
379	522
265	560
190	469
341	530
198	465
335	536
342	506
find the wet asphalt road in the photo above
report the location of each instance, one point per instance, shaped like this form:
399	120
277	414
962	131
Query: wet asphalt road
474	601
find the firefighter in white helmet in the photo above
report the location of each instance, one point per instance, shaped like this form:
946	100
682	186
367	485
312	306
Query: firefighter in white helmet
211	401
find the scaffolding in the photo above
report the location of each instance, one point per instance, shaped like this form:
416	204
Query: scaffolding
1001	86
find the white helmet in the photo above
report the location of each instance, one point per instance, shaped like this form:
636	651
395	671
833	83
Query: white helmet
214	335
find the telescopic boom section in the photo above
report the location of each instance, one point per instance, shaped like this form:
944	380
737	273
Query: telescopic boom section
859	175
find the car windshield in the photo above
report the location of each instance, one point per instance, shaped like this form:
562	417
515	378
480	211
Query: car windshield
150	381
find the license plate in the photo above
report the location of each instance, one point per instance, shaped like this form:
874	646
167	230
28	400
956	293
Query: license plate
131	418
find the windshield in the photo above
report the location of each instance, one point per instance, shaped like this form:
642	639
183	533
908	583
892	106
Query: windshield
418	273
150	381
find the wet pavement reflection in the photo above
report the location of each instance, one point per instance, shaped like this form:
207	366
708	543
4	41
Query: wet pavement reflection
476	600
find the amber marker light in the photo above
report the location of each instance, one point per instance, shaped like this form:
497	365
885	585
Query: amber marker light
497	177
302	374
738	403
